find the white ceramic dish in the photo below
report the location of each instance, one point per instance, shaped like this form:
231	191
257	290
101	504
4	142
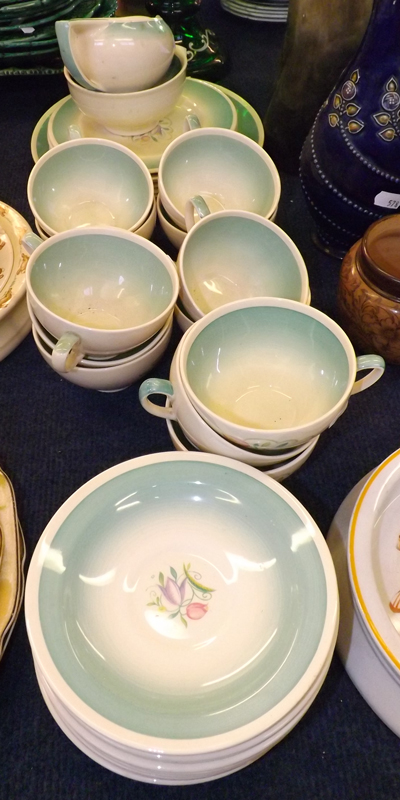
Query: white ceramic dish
174	234
119	585
14	317
374	560
208	102
369	673
146	230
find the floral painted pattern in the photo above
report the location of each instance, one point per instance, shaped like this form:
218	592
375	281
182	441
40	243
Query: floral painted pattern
181	596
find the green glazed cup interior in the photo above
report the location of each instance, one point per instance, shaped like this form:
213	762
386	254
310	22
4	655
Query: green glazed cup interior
291	363
105	568
227	258
226	167
92	184
116	277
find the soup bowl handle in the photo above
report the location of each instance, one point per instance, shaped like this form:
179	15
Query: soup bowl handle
376	366
157	386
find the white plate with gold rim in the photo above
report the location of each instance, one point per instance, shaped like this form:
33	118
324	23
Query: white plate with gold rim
13	258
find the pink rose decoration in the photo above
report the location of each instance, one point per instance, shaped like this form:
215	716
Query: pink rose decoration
196	610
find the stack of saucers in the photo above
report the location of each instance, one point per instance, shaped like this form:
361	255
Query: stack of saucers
27	35
364	542
260	10
138	601
259	380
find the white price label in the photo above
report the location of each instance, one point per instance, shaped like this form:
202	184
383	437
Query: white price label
388	200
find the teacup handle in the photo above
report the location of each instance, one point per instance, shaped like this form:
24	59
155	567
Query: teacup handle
156	386
375	364
196	208
31	241
67	353
191	123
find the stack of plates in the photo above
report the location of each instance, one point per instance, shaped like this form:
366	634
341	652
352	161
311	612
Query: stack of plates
27	33
269	11
14	318
12	557
365	545
182	613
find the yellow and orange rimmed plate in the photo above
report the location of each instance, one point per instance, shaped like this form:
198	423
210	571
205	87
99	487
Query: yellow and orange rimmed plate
11	563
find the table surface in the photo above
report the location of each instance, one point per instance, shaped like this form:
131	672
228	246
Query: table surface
55	436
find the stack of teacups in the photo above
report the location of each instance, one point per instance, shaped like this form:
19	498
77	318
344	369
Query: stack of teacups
259	380
125	73
212	169
146	605
91	182
101	302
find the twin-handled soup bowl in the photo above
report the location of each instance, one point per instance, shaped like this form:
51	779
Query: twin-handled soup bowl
99	291
121	54
90	182
132	113
231	255
226	167
271	373
179	409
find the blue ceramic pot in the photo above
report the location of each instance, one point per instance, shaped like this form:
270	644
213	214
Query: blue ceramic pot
350	162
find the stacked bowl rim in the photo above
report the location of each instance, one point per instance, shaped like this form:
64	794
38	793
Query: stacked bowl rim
238	738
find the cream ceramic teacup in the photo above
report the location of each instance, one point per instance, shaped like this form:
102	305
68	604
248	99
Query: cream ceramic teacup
173	233
118	54
199	433
90	182
99	291
271	373
231	255
225	167
132	113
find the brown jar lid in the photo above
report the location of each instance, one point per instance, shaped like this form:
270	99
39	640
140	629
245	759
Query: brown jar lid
379	255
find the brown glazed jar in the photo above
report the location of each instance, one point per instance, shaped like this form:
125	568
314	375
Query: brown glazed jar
369	290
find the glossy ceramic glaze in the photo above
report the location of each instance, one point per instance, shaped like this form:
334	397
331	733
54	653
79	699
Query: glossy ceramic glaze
374	559
121	550
349	164
271	373
14	317
355	643
133	288
110	376
90	182
224	164
369	290
116	55
235	254
130	113
179	408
